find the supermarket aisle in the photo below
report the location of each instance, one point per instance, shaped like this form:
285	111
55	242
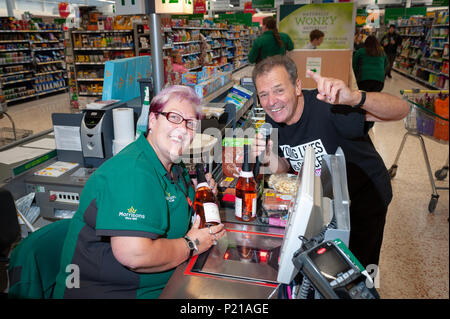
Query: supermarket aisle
36	115
414	259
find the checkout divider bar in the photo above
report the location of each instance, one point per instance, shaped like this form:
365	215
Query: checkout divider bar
254	233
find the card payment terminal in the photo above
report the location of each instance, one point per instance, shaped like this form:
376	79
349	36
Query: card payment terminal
333	271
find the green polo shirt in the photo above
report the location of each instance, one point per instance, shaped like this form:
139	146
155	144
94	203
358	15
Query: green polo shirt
129	195
266	45
368	67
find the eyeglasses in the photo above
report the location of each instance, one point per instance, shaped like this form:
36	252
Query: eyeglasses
177	119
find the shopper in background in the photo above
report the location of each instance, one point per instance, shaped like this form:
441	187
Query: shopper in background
390	41
358	40
315	39
369	64
329	117
128	233
270	43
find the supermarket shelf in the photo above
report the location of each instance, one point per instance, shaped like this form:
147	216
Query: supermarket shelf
47	49
241	67
8	63
14	73
49	72
46	41
416	79
411	35
193	53
18	81
107	48
218	92
52	90
195	68
27	31
199	28
89	80
89	63
37	94
434	60
14	41
186	42
432	71
50	62
89	94
13	50
102	31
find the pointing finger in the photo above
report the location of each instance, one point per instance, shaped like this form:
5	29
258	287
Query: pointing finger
315	76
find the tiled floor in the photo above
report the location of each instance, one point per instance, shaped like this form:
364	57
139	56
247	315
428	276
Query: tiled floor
414	259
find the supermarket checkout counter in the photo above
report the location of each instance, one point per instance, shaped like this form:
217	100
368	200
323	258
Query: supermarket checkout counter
249	262
252	259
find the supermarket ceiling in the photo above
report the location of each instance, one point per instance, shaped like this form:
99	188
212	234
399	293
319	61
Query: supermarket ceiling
51	6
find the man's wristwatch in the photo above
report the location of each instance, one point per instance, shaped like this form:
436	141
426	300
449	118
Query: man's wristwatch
192	246
363	99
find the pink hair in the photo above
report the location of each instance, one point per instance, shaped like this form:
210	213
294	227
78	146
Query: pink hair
179	92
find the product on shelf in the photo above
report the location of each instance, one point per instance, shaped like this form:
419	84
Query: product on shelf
424	57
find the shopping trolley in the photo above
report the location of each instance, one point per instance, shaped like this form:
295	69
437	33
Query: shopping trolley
422	121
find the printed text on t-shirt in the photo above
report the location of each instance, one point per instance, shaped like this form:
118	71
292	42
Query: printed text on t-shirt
295	154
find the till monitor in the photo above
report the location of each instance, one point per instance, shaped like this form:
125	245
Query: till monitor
306	217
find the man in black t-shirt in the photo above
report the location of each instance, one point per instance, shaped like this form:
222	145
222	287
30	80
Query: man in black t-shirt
329	117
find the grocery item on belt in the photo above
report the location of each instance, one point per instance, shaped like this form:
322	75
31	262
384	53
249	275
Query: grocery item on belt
283	183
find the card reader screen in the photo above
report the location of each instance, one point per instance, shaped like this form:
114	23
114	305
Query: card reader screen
329	262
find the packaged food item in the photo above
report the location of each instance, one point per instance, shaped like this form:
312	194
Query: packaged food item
283	183
227	182
275	201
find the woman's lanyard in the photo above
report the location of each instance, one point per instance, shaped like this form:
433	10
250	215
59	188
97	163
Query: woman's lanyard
179	174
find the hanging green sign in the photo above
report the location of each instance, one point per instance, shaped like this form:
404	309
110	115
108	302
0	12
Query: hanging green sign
195	16
236	18
440	3
263	4
395	13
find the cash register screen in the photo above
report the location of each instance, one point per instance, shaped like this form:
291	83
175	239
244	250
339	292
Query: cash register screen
329	262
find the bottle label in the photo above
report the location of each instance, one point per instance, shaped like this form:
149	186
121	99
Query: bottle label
238	207
246	174
204	184
254	207
211	212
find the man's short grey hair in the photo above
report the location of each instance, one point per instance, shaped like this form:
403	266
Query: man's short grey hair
269	63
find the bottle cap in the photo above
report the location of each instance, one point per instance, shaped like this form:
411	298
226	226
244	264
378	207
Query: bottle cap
200	173
246	164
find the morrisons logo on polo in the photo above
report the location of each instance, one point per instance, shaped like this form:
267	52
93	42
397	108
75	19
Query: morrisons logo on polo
131	214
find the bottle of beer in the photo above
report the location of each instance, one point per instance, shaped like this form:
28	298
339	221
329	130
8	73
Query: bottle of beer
205	203
246	195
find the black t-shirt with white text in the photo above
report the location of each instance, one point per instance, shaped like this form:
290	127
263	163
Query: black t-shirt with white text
327	127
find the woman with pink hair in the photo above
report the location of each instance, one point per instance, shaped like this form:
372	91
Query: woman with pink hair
135	222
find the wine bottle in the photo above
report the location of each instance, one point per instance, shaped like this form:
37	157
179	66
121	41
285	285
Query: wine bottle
246	195
205	203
